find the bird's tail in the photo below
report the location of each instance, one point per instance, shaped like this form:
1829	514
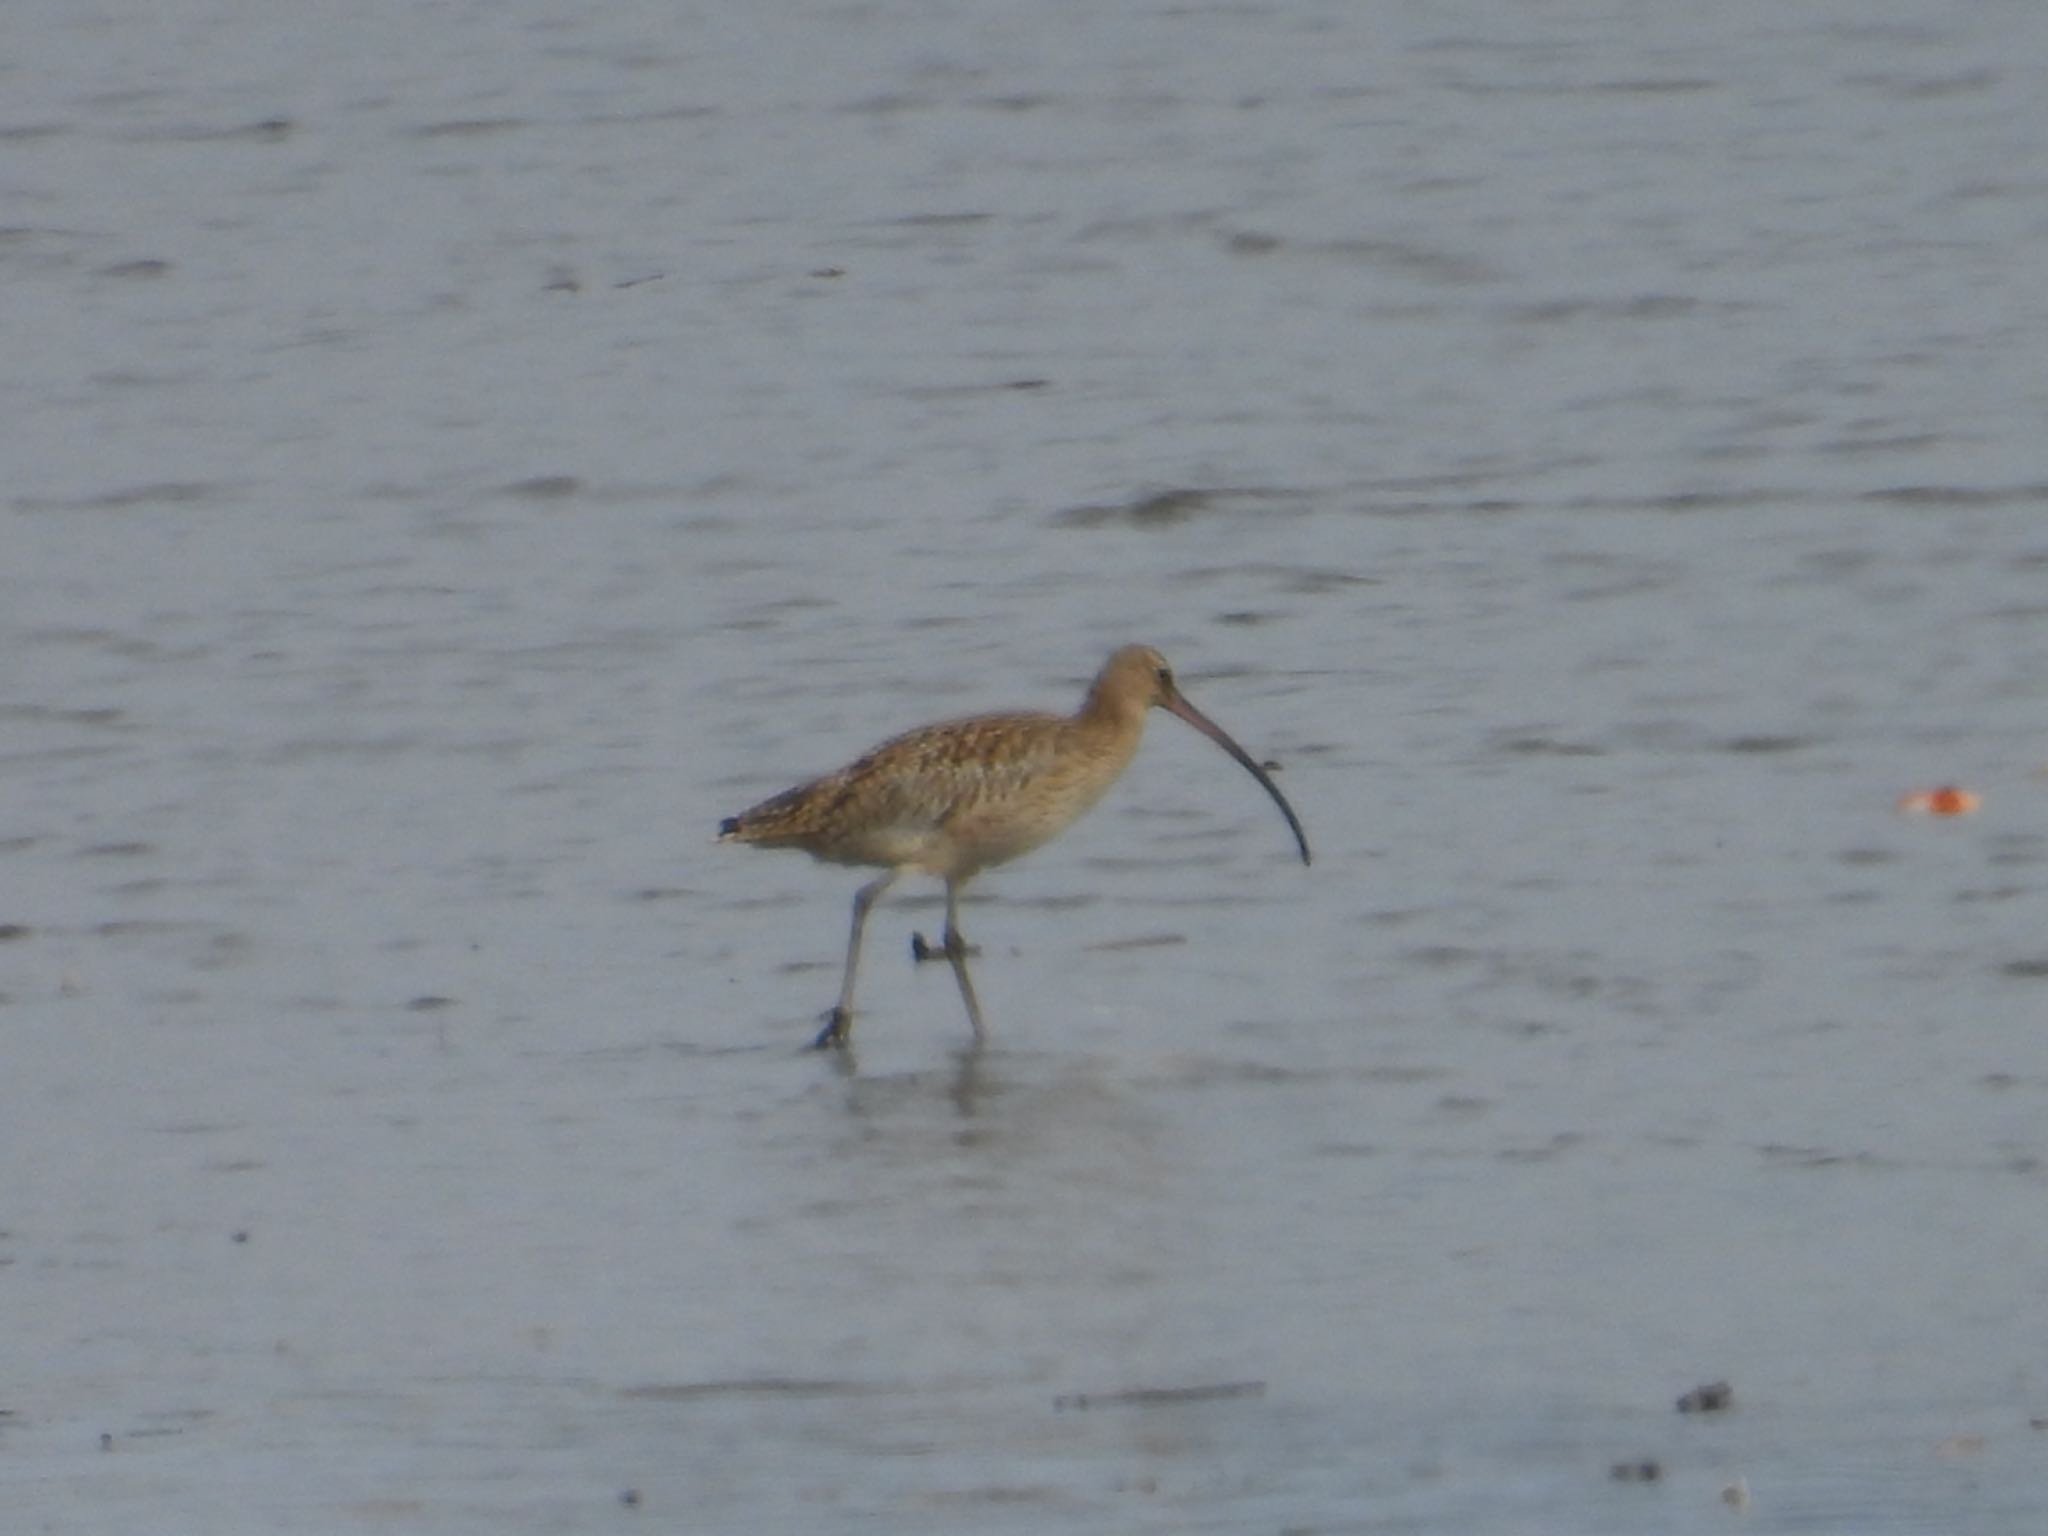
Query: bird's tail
772	821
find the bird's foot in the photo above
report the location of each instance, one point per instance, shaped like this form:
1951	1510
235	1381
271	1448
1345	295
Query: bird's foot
954	948
837	1034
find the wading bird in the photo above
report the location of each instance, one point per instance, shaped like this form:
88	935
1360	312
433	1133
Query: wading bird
953	799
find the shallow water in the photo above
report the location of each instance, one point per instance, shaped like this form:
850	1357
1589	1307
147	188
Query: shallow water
459	454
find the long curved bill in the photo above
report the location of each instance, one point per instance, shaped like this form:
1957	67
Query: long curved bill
1176	705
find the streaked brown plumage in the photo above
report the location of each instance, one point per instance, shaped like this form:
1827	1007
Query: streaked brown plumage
953	799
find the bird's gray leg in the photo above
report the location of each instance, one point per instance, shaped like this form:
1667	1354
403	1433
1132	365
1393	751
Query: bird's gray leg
838	1028
952	946
956	952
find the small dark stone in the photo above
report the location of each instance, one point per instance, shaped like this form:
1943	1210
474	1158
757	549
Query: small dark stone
106	1441
242	1236
630	1498
1711	1398
1648	1470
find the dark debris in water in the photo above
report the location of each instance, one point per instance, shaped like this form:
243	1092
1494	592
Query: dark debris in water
1647	1469
1139	941
152	494
1713	1397
470	127
1159	1397
1542	744
141	266
2022	494
1173	506
1765	743
545	487
264	130
1821	1157
752	1386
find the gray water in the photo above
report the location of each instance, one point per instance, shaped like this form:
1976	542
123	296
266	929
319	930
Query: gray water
457	453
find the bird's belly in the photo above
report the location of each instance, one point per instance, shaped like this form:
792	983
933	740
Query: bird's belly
981	839
882	847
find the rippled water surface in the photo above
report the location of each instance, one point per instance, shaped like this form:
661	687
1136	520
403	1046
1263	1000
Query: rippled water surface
458	453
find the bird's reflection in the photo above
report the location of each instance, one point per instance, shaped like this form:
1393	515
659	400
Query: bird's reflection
967	1087
970	1079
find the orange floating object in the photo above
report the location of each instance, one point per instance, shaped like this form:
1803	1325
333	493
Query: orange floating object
1944	800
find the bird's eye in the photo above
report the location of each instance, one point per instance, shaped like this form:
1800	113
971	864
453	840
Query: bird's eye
1164	677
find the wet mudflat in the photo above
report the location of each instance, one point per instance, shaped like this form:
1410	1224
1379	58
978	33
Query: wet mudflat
456	459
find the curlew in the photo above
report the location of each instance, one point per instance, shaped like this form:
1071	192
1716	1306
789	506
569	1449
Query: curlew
953	799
